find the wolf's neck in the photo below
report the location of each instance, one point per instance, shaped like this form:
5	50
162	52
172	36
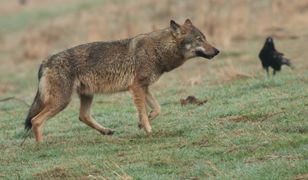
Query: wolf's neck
168	52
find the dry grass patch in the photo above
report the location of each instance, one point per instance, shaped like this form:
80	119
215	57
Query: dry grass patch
60	173
37	43
228	74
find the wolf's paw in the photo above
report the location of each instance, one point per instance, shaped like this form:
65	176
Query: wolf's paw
140	126
107	132
147	128
148	132
153	114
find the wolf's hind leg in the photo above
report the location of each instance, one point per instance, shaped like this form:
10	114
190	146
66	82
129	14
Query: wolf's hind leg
49	111
85	115
153	104
139	101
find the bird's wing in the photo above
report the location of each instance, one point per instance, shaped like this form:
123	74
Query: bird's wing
286	62
277	54
280	53
281	60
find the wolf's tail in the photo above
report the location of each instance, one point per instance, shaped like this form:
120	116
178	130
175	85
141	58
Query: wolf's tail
36	107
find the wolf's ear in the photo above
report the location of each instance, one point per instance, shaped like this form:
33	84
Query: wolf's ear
188	22
176	28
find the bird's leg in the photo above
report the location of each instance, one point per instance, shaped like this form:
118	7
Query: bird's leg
267	71
274	72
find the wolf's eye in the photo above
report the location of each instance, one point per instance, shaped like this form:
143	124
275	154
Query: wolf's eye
199	38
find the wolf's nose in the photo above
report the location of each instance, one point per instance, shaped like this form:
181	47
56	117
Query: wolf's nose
216	51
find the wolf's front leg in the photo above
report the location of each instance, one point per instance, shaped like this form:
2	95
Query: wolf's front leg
154	105
85	115
138	93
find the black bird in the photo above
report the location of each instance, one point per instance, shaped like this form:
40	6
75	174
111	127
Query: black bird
270	57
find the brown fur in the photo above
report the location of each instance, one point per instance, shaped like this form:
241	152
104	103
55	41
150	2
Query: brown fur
192	100
107	67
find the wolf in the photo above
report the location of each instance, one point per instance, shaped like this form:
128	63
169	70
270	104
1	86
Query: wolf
270	57
131	64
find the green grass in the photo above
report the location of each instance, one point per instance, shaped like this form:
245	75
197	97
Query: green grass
249	129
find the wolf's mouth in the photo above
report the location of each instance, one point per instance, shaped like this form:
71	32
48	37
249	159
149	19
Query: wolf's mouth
202	54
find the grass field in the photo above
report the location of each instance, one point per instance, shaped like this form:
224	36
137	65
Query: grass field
252	127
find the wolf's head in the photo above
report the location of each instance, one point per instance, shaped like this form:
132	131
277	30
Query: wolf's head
191	41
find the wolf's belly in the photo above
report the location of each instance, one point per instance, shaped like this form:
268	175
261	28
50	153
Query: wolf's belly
107	83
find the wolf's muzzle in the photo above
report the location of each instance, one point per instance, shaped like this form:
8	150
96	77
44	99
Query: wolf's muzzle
216	51
202	53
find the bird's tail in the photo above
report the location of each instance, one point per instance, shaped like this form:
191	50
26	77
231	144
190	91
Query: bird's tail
287	62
